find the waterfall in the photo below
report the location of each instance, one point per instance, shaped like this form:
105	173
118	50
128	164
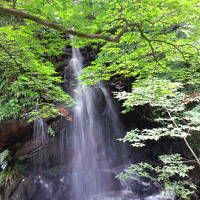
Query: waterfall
94	130
86	156
40	138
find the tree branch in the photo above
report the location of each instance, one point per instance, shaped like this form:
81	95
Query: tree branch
173	45
9	54
150	41
38	20
150	44
184	138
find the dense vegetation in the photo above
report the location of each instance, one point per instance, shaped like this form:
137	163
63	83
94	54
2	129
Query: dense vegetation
154	43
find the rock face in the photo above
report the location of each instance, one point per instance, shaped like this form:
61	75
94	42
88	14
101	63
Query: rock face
12	132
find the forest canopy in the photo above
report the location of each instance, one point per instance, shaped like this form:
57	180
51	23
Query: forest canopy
136	38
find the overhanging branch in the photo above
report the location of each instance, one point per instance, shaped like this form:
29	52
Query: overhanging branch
150	44
38	20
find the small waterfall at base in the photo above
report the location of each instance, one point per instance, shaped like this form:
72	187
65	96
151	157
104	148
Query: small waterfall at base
94	130
40	140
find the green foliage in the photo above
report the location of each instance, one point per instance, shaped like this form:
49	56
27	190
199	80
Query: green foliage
165	97
155	92
8	176
28	81
4	158
51	131
194	114
172	174
161	39
162	43
176	112
7	173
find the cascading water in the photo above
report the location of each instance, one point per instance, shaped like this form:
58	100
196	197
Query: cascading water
93	144
40	138
86	154
95	151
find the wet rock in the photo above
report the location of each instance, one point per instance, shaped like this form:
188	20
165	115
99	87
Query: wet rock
46	185
12	132
99	100
1	193
109	177
29	149
142	188
21	189
60	66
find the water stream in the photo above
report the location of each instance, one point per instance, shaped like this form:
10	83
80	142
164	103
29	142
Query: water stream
96	152
40	141
94	130
89	146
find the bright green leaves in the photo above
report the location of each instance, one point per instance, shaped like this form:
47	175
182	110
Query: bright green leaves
138	138
171	167
29	83
168	104
162	39
194	114
154	92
